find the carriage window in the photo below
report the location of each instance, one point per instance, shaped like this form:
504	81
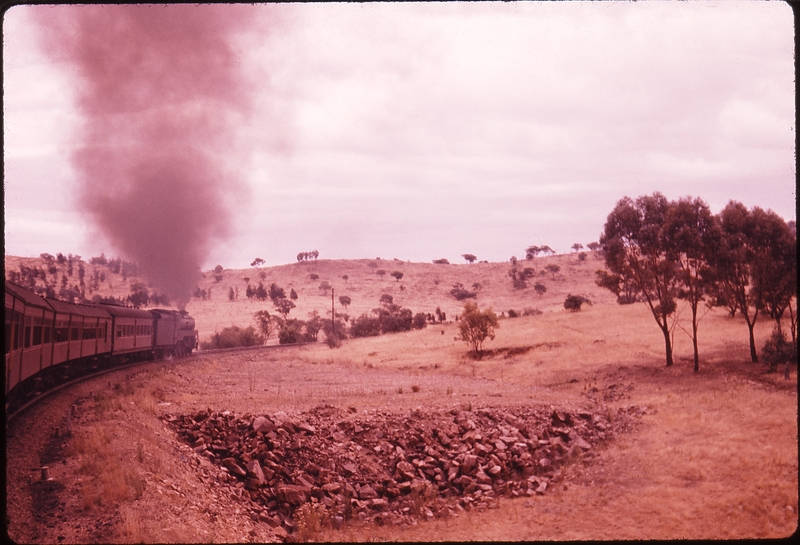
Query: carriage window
28	330
38	324
48	330
62	331
75	332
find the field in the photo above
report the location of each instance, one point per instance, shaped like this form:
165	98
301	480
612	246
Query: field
714	454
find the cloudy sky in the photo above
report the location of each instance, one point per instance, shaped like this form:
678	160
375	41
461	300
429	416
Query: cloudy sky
423	131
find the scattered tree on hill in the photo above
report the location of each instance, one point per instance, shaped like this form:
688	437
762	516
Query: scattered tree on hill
577	246
381	273
552	268
345	278
386	299
397	274
419	321
284	306
314	276
476	326
469	257
293	295
257	262
634	250
441	261
540	288
231	294
593	246
266	324
517	277
582	256
276	293
345	301
325	287
441	316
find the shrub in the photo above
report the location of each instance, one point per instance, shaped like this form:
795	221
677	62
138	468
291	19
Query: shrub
441	261
573	302
365	326
460	293
777	350
512	313
291	332
233	336
420	321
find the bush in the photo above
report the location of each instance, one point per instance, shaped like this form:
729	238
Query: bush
573	302
420	321
291	332
442	261
233	336
512	313
460	293
365	326
777	350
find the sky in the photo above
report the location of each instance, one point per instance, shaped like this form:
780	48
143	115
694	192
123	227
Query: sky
417	131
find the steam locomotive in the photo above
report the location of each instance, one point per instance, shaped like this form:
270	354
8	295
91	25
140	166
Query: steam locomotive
49	342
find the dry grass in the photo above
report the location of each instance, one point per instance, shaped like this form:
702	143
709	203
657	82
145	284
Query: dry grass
715	455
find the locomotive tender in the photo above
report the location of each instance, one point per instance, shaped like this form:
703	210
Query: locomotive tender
49	342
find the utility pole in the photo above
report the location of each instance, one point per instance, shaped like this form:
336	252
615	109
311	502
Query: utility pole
333	316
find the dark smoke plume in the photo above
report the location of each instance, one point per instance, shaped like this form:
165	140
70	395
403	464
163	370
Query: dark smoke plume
160	90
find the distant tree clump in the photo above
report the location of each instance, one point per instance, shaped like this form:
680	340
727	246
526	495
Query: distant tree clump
257	262
314	276
460	293
577	246
233	336
365	326
573	303
540	288
345	301
305	256
469	257
293	295
476	326
419	321
441	261
397	275
582	256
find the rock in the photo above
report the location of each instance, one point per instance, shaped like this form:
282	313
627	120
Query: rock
231	465
544	462
254	469
337	522
293	494
263	424
272	522
367	493
332	488
306	428
349	469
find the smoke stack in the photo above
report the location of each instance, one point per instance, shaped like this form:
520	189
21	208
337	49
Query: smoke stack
161	90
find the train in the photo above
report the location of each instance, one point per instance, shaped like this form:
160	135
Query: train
49	342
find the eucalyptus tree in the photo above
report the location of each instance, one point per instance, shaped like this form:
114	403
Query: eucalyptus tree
691	236
634	249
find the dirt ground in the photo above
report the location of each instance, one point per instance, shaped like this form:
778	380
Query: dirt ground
714	456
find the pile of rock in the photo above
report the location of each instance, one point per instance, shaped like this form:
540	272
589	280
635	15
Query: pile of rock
388	467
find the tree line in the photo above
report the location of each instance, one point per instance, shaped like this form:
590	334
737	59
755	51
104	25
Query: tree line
658	251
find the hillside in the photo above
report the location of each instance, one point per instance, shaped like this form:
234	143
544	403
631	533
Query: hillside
422	288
